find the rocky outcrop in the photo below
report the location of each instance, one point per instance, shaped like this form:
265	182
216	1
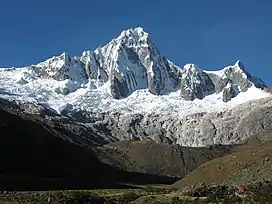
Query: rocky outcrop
118	86
131	61
61	68
220	82
237	76
128	63
195	83
230	92
229	126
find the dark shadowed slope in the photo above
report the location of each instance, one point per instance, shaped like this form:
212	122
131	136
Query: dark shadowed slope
32	157
34	151
31	153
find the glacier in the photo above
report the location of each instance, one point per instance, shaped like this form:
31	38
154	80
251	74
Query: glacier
129	76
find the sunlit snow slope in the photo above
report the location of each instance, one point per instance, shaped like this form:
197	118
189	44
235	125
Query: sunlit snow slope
129	75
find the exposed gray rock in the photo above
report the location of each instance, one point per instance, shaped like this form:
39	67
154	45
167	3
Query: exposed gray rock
219	82
154	85
238	75
60	68
118	86
234	79
174	73
202	129
231	126
22	81
230	92
136	63
195	83
131	62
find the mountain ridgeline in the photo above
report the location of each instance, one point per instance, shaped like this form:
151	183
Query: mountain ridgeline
62	126
132	61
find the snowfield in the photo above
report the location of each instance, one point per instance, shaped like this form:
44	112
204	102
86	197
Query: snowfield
127	89
23	85
121	75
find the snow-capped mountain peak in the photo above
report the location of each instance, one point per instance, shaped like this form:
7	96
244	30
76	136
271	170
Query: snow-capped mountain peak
237	74
239	64
60	68
130	63
195	83
150	89
191	68
237	67
137	34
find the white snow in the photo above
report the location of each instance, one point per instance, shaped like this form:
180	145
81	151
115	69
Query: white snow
220	73
191	71
43	91
63	63
117	56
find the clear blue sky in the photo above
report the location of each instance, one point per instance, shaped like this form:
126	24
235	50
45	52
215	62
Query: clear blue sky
209	33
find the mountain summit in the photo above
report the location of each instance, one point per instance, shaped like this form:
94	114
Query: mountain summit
127	89
131	61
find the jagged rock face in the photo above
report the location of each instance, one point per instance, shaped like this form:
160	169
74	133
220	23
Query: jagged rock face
195	83
127	63
230	92
219	82
237	76
242	78
174	73
118	86
131	62
92	68
61	68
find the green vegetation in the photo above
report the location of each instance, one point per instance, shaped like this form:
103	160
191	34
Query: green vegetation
253	193
117	196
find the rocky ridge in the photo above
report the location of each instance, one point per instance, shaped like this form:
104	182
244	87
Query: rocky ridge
72	93
131	62
201	129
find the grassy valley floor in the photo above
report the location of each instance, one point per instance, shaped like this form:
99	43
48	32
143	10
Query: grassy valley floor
255	193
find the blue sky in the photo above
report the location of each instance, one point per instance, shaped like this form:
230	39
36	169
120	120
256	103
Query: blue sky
210	33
